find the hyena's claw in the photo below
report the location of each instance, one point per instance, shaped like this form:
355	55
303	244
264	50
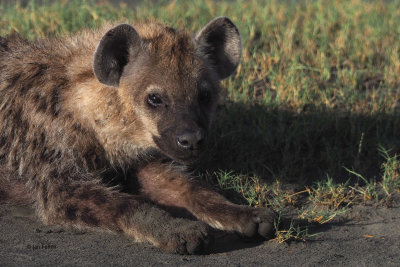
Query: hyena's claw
260	222
266	219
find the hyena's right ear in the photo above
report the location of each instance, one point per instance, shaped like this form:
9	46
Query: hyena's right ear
113	53
219	41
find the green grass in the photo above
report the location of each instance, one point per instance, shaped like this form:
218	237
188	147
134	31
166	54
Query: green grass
294	232
316	95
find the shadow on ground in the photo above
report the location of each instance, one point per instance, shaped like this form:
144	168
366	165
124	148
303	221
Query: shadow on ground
300	147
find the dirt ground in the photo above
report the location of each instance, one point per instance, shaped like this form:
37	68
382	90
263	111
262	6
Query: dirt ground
366	236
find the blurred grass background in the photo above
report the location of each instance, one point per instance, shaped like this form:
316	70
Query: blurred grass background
317	89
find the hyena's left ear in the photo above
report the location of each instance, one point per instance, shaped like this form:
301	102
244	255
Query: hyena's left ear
114	51
219	41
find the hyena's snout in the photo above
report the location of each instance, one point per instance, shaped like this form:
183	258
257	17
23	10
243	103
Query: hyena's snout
184	142
191	140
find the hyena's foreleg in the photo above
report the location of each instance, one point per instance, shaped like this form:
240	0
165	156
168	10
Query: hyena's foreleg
170	186
90	204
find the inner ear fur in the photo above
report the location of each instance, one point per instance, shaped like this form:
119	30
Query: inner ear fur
113	53
219	41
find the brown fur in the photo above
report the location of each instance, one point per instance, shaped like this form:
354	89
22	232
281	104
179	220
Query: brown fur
78	144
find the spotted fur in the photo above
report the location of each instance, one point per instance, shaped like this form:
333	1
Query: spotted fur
79	139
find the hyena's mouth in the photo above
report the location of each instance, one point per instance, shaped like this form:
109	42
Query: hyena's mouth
173	151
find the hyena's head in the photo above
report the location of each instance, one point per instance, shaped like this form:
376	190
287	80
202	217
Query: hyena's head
168	80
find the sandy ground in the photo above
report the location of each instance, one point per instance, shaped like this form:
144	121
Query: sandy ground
367	236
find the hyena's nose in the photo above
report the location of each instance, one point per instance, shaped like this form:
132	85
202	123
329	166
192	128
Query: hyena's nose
191	140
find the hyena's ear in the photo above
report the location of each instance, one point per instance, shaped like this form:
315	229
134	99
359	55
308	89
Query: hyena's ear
113	52
220	42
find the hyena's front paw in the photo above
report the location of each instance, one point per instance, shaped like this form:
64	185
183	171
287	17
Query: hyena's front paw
186	237
255	221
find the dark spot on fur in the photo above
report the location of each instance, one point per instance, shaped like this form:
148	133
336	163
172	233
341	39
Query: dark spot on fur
88	217
99	122
99	198
3	195
78	127
14	80
47	154
3	140
38	71
2	158
24	128
4	45
122	208
60	189
42	138
170	30
83	76
70	212
42	105
26	86
55	105
34	144
36	98
17	116
182	45
69	116
24	89
84	195
44	194
72	190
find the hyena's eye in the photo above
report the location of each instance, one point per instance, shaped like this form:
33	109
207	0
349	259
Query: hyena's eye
204	97
154	100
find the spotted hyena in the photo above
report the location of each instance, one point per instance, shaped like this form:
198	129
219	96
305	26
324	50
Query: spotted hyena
96	128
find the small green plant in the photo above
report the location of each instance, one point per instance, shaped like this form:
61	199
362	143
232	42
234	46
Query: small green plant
255	192
282	198
391	172
369	191
330	194
327	200
321	215
294	232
